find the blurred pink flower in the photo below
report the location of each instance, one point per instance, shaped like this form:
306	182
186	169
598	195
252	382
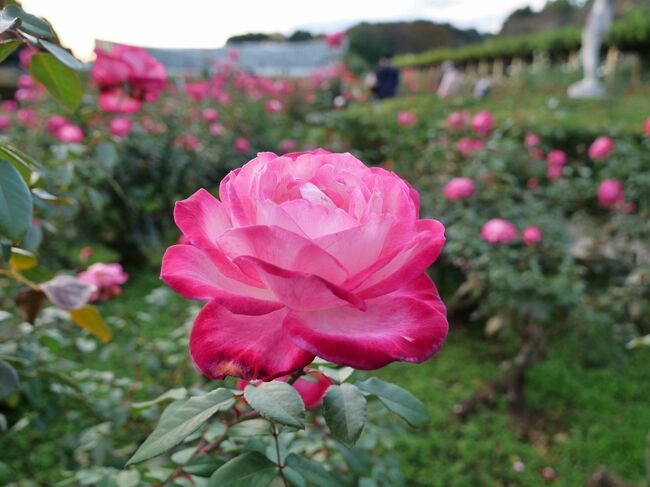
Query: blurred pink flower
54	124
242	145
610	193
554	172
556	157
106	280
5	122
121	126
498	231
531	235
25	56
85	253
483	123
216	129
273	106
407	118
467	146
646	126
601	147
532	140
532	183
335	40
9	105
459	188
210	115
27	118
189	142
70	134
288	145
458	120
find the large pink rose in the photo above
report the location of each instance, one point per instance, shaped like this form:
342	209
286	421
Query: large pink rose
600	148
307	254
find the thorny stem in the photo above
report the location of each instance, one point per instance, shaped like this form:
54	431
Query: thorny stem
277	452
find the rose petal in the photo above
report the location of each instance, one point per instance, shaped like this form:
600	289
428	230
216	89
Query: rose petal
227	344
407	325
298	290
193	274
201	218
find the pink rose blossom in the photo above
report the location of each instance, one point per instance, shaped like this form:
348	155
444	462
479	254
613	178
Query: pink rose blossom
498	231
119	127
54	124
600	148
554	172
483	123
334	40
307	254
407	119
27	118
106	280
532	140
25	56
610	193
467	146
216	129
646	126
311	390
210	115
532	236
459	188
242	145
126	77
5	122
85	253
458	120
70	134
9	106
273	106
189	142
556	158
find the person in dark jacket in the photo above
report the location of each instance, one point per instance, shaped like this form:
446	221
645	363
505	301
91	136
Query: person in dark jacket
387	78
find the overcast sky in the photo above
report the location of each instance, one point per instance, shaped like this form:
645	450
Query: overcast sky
208	23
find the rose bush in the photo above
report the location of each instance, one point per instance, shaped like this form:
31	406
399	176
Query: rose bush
307	254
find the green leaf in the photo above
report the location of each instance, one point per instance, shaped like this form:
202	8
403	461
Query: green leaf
184	419
171	394
30	23
252	427
7	48
344	408
21	161
398	400
90	320
62	55
16	206
60	81
7	21
311	471
8	379
248	470
277	401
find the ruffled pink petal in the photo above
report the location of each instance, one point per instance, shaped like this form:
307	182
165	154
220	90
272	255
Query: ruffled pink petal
201	218
193	274
407	325
402	265
250	347
298	290
284	249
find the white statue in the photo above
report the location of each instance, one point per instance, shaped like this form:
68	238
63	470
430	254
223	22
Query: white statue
598	22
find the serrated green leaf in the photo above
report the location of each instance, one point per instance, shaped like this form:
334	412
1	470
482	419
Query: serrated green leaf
311	471
59	80
344	409
185	418
398	400
30	23
248	470
277	401
16	206
8	379
7	47
62	55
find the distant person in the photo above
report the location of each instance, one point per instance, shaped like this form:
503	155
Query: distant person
482	87
450	81
386	78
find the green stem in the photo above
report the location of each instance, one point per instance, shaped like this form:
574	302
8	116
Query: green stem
276	434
